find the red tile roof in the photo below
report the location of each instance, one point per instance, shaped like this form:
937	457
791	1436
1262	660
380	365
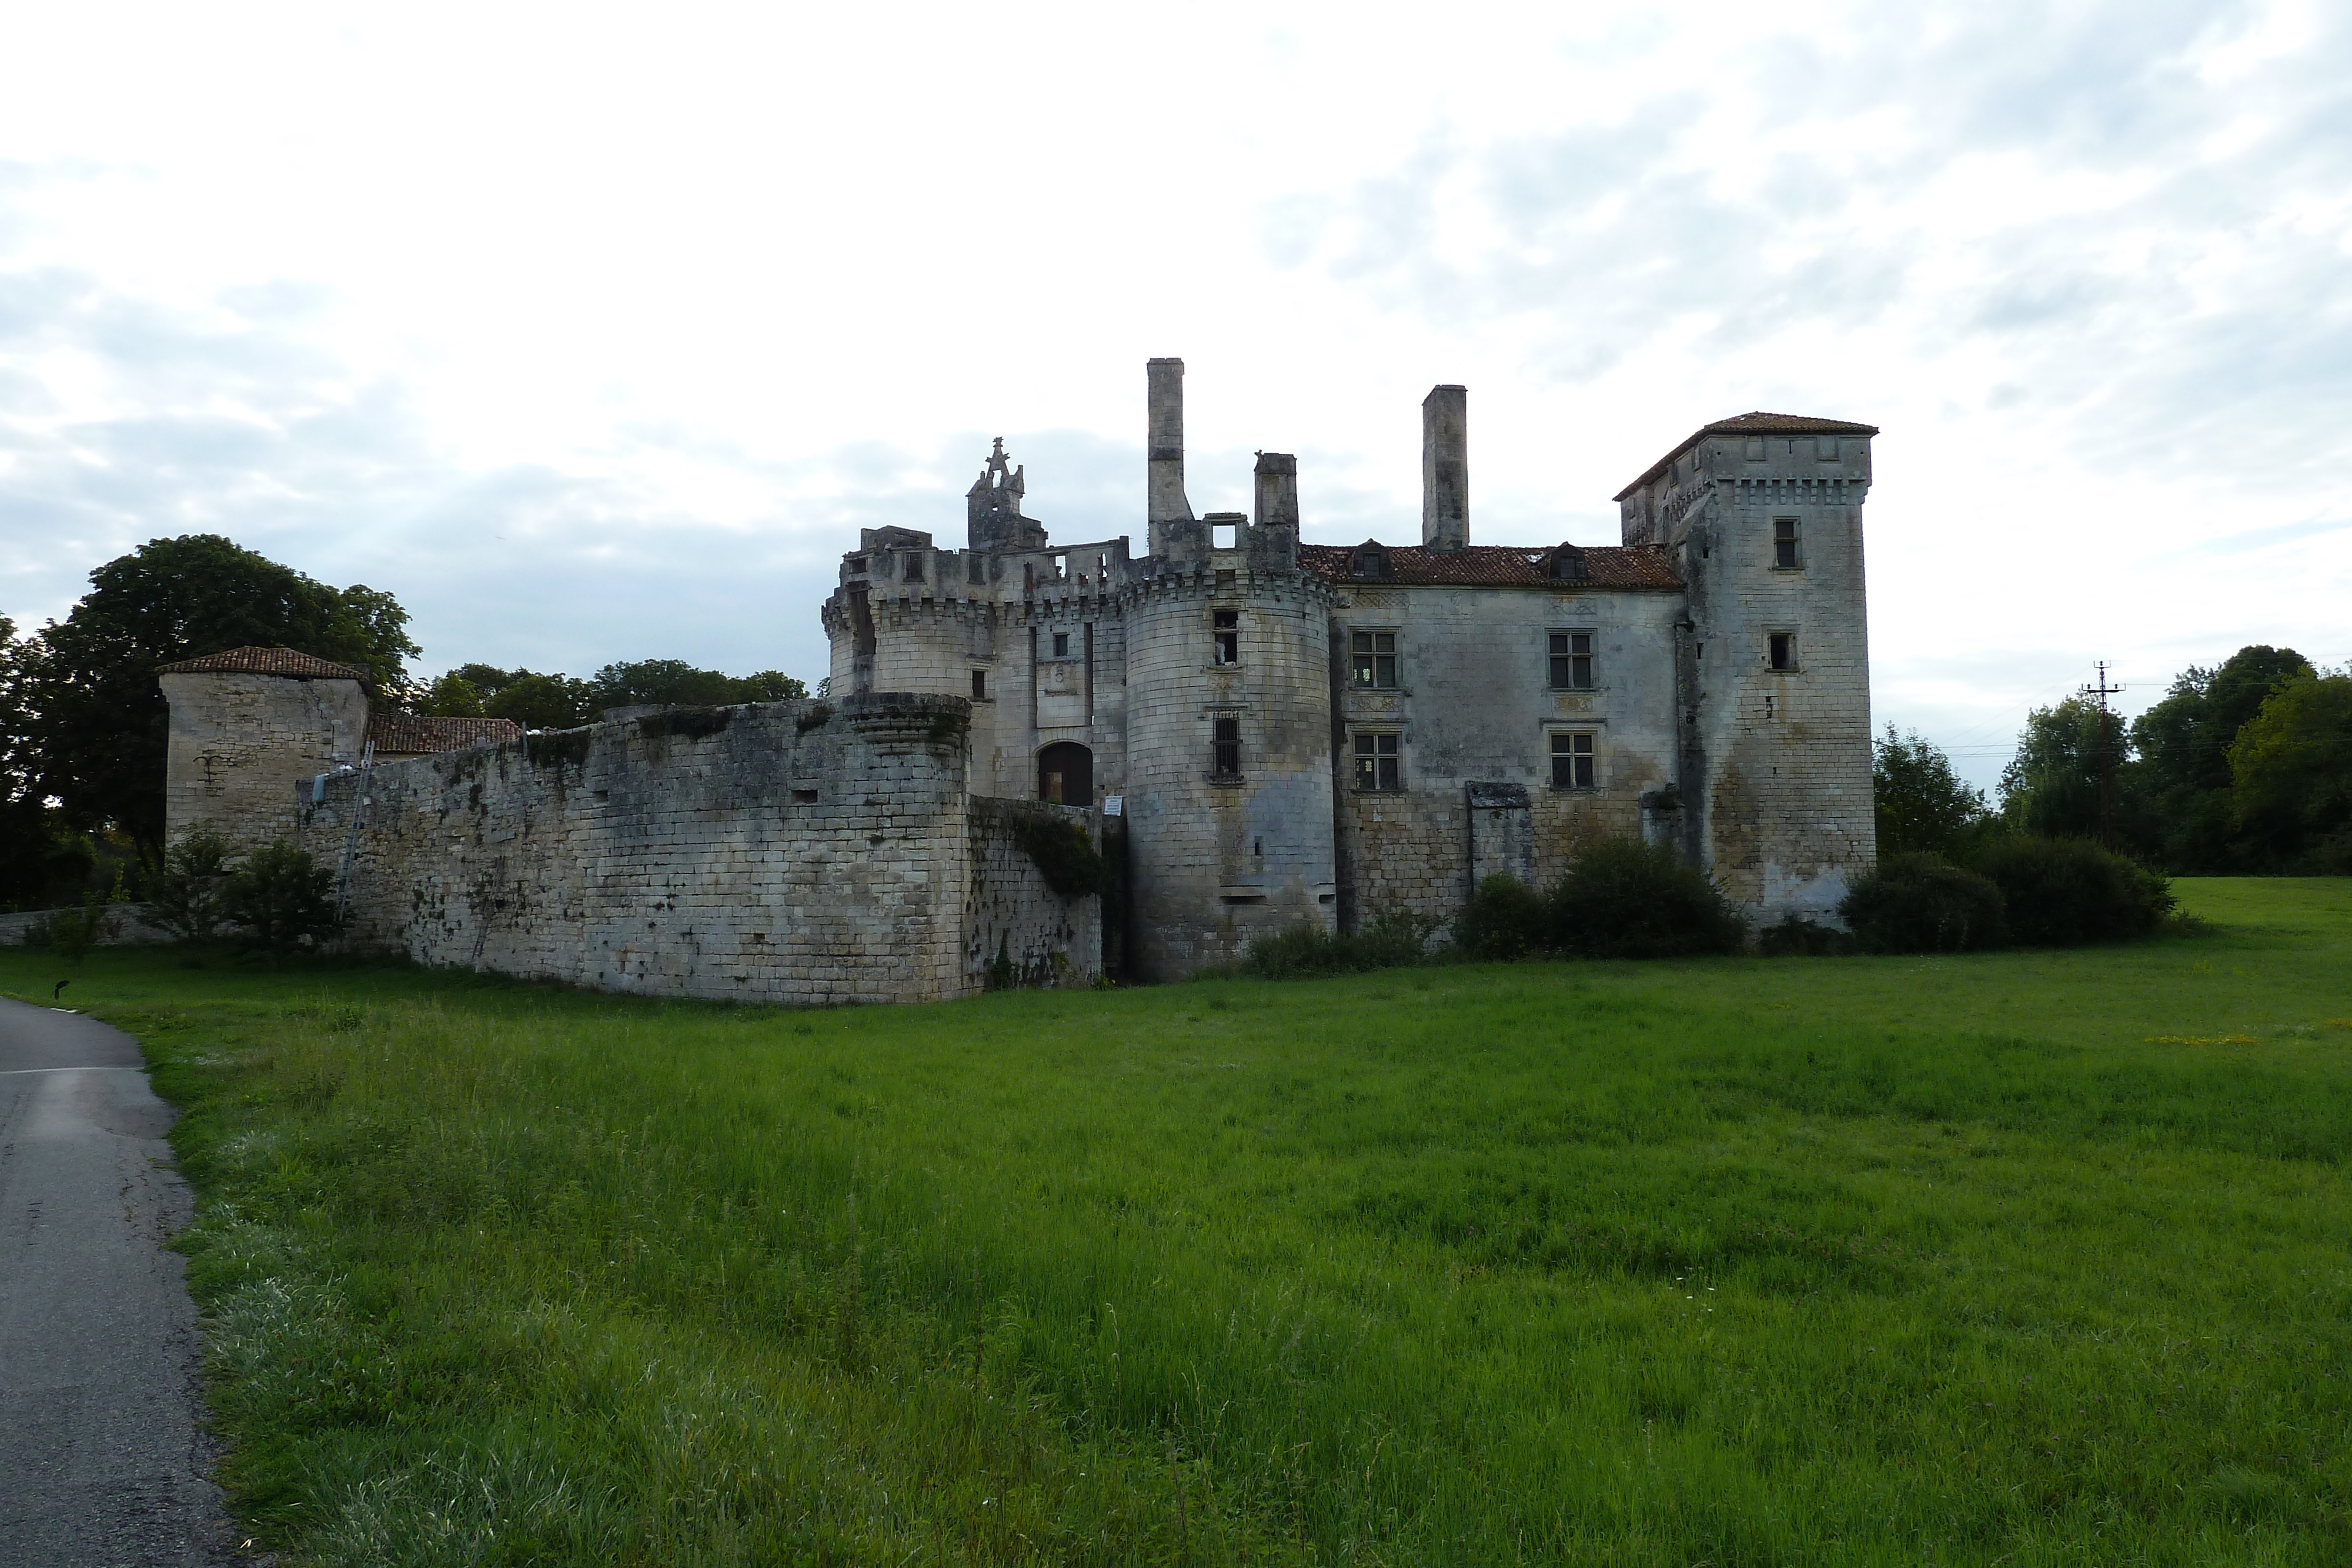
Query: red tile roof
1756	423
1638	567
416	735
283	662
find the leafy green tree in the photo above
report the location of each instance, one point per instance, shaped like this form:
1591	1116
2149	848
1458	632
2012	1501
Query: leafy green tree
541	702
673	681
188	897
279	898
2182	779
2052	786
1921	804
770	687
100	719
2292	769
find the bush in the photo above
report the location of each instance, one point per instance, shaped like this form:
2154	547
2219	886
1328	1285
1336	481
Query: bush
1505	919
1387	941
2062	893
281	899
185	897
1626	899
1064	853
1920	903
1797	937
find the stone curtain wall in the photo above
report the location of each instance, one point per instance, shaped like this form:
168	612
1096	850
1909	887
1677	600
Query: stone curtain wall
802	853
1016	925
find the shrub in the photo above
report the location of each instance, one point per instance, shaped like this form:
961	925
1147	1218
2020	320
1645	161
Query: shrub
1387	941
1505	919
281	899
185	896
2064	892
1920	903
1626	899
1797	937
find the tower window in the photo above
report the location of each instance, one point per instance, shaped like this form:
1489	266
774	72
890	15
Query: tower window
1226	750
1061	644
1376	761
1228	629
1571	661
1784	544
980	686
1784	649
910	569
1375	660
1571	760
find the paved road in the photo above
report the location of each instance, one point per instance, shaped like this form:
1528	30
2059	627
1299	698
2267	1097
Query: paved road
100	1461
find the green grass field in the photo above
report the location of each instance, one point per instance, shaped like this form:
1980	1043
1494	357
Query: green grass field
2025	1258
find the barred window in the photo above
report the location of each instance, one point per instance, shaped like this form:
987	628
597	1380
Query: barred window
1571	661
1228	629
1226	760
1784	543
1375	660
1571	760
1376	761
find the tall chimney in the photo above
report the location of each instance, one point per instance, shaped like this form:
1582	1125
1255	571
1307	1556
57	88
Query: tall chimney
1445	468
1166	453
1274	542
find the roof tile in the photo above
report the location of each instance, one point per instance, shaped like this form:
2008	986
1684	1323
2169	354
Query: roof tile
416	735
283	662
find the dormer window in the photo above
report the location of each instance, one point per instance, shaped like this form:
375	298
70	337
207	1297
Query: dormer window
1566	565
1371	559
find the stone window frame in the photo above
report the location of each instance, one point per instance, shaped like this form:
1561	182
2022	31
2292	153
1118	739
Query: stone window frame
1359	755
1788	548
1225	745
1059	644
1224	636
1363	643
1783	651
1560	748
1556	655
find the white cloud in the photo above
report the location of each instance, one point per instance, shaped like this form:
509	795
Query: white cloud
594	335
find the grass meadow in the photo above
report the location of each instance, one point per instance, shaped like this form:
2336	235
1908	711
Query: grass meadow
2017	1258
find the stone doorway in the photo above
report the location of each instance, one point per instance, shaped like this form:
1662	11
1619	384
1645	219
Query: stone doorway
1065	774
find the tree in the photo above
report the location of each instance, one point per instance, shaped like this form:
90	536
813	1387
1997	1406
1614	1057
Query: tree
188	897
279	898
675	682
2183	774
1921	804
2291	767
101	718
559	701
2052	786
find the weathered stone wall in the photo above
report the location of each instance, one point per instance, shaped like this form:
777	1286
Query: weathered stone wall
238	744
1473	703
1017	927
804	853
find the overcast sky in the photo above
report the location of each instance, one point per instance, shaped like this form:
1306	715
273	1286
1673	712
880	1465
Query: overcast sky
594	333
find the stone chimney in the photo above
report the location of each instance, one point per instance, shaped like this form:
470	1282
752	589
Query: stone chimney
1445	468
1274	542
1166	455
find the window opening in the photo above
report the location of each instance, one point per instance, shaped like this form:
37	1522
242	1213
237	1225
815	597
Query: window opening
1228	629
1226	760
1224	536
1376	761
980	686
1061	644
1784	649
1784	543
1375	660
856	563
912	568
1571	661
1065	774
1572	761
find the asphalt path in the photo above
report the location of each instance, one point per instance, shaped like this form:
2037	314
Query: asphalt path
101	1460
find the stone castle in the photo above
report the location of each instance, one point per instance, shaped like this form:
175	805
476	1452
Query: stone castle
1258	732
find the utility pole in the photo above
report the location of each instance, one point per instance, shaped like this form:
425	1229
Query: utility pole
2107	839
